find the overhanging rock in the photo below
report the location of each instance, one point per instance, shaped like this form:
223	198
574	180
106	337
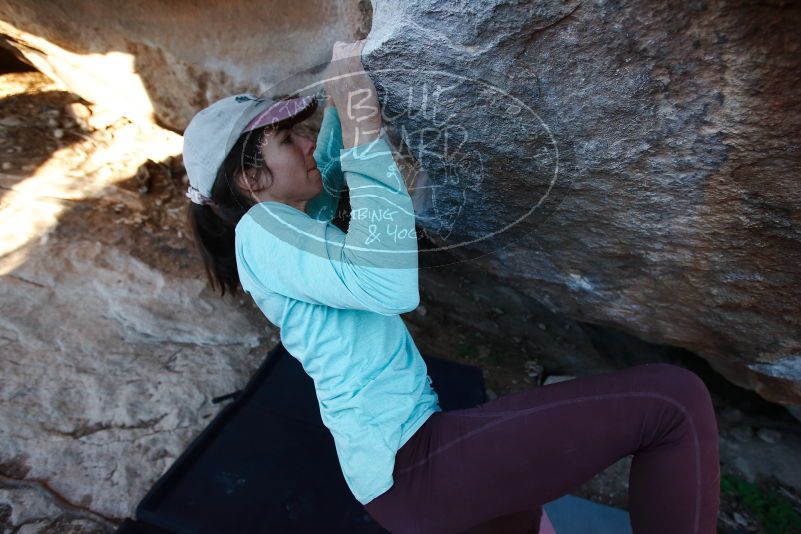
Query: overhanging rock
633	164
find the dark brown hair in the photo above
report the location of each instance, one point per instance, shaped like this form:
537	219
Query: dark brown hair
212	227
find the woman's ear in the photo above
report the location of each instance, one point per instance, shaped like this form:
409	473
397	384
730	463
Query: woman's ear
248	181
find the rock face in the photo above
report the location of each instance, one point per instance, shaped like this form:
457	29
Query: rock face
79	412
111	344
628	164
631	165
163	61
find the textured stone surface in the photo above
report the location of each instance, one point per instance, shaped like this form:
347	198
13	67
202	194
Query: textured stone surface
111	344
109	367
645	157
637	163
165	61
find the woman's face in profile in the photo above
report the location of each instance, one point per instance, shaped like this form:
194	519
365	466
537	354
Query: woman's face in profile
291	175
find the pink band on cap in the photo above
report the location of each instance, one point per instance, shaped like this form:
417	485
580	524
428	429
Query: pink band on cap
283	109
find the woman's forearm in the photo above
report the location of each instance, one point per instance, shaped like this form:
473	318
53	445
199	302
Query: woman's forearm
361	121
359	136
354	95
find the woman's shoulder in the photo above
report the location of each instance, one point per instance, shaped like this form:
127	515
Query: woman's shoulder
270	215
277	231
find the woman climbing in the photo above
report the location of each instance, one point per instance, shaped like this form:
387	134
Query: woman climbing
263	200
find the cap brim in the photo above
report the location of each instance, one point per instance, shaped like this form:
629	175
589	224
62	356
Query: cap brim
281	111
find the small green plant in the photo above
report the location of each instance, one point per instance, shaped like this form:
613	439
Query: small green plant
774	512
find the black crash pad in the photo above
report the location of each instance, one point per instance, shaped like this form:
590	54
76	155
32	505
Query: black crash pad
267	464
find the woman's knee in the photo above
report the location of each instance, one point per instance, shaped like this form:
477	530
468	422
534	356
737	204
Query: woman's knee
682	386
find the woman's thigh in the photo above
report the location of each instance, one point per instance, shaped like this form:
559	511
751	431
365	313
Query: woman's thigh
521	450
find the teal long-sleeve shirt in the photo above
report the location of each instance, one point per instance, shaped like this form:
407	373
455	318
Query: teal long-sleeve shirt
336	298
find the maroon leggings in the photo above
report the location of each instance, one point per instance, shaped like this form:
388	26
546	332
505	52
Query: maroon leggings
464	468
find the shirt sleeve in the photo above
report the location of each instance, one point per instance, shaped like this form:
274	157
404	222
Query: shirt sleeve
323	207
372	267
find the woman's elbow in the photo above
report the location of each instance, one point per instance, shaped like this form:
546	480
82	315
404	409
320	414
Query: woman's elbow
411	303
404	302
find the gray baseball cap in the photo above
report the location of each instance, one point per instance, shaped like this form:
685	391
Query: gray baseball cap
213	131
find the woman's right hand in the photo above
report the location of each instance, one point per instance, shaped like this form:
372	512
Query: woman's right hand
353	93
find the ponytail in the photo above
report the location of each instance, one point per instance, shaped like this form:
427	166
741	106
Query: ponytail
214	239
